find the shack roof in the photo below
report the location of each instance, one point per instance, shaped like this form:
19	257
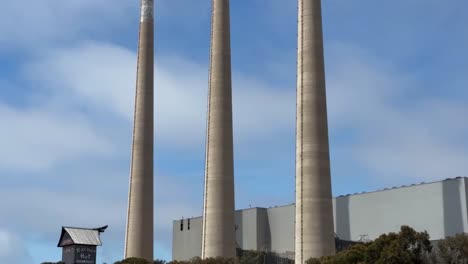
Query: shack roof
80	236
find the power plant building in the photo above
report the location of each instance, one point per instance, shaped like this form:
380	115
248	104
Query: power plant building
440	208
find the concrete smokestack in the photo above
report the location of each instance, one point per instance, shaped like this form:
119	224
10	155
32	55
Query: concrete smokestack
139	234
314	211
218	236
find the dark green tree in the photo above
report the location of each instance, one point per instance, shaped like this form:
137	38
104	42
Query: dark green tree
252	257
314	261
405	247
452	250
408	246
133	261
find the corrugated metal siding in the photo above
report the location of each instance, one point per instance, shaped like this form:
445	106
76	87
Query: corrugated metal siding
84	236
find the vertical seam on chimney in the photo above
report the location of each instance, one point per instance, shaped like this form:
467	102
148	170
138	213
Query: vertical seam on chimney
207	134
133	139
302	129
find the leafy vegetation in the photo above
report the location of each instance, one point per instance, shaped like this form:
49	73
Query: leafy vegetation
405	247
133	261
249	257
252	257
198	260
451	250
139	261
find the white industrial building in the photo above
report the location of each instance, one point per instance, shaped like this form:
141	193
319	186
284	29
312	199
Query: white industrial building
440	208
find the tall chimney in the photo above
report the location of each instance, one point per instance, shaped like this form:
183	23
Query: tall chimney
139	233
218	236
314	211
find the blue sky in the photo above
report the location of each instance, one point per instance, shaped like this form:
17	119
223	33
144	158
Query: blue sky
396	86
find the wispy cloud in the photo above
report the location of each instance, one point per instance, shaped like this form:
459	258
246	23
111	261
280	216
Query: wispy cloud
397	136
35	138
102	76
12	249
73	115
38	24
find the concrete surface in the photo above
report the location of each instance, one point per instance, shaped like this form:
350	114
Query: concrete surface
314	212
139	233
218	239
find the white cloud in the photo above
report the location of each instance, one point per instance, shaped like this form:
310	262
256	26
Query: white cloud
102	76
41	212
34	23
36	138
397	136
77	96
388	137
97	75
12	249
261	110
47	210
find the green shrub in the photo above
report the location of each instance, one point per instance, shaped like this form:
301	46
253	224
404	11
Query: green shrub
133	261
405	247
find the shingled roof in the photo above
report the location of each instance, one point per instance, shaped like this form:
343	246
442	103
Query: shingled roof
80	236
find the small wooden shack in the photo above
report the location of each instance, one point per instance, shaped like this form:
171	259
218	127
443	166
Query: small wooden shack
79	244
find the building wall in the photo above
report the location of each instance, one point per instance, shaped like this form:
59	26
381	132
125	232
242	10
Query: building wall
281	224
246	228
68	254
263	230
440	208
186	243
